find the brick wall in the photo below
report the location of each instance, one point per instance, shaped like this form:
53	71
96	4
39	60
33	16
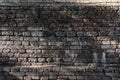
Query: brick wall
59	42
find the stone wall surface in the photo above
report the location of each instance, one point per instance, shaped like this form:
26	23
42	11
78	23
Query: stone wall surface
59	41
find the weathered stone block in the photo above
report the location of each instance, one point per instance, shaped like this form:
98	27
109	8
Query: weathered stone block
7	33
35	77
29	51
75	47
42	43
5	38
16	38
26	43
26	33
106	42
31	38
32	59
41	60
13	60
22	59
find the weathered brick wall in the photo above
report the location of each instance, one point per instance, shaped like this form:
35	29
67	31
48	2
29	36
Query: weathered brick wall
59	42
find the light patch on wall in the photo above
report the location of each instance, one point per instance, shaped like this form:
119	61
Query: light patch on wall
1	1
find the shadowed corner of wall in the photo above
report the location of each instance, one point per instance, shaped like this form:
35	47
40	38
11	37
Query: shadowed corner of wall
5	65
92	16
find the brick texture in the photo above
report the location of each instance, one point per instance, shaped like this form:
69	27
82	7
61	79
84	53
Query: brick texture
59	41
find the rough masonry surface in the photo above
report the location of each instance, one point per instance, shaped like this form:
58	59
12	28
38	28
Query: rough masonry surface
59	41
